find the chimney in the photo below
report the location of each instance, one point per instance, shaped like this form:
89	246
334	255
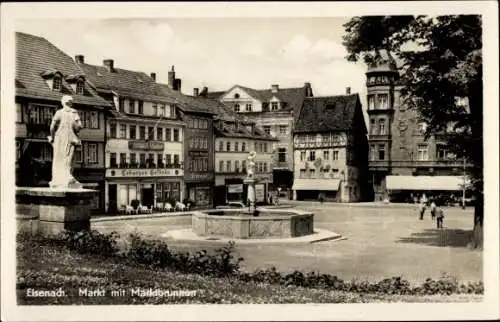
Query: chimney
80	59
153	76
171	78
348	91
308	89
177	86
109	64
274	88
195	92
204	91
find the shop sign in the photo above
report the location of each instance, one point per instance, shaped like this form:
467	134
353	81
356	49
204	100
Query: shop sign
145	145
235	188
199	176
260	192
127	173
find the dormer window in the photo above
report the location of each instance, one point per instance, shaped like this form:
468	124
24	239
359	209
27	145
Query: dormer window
274	106
57	83
79	87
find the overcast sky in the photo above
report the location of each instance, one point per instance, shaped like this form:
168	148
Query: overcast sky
215	52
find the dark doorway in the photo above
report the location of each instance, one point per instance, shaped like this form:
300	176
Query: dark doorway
112	197
147	197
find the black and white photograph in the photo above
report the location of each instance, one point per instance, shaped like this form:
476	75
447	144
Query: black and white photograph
179	161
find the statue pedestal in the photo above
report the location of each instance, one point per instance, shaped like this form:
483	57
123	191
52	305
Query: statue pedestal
250	182
55	209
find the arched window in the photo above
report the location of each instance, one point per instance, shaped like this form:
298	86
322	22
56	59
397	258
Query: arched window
236	95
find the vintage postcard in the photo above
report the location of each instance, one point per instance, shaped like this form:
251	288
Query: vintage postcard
250	161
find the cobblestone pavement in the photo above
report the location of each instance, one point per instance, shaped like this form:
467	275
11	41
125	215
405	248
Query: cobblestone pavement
380	241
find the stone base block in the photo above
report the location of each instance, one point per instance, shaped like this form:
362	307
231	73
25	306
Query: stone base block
27	224
56	209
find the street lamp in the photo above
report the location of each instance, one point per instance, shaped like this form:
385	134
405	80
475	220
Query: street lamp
463	186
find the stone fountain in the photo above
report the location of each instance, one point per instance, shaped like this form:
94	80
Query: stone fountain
253	223
64	205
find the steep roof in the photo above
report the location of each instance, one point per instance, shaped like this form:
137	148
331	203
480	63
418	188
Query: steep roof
124	82
331	113
293	96
37	57
185	102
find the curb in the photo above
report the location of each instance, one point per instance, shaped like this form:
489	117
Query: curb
142	216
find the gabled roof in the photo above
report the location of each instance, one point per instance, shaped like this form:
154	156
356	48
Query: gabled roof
293	97
215	95
331	113
37	58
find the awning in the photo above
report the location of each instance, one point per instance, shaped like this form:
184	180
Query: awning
316	184
447	183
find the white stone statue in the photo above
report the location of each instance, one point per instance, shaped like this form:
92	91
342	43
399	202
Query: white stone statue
251	164
66	125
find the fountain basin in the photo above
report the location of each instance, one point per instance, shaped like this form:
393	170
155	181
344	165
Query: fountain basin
264	223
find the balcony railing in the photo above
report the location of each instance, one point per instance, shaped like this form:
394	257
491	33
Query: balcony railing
146	165
417	164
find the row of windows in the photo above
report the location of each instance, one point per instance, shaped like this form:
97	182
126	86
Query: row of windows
197	124
57	85
311	155
379	102
41	114
198	142
311	173
88	151
227	166
157	159
131	106
378	152
248	107
163	110
144	133
282	129
199	164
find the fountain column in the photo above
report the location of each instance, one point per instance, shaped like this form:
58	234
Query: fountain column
250	181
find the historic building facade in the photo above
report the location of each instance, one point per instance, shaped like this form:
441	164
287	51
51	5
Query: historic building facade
402	161
43	75
274	110
330	150
234	139
144	150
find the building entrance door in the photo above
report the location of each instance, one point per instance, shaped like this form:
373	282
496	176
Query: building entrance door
112	197
147	196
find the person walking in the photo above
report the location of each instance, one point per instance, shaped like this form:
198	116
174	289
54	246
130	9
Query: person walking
439	216
433	208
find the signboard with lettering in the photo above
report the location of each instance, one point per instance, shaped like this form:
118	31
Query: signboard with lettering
129	173
146	145
234	188
198	154
260	193
198	176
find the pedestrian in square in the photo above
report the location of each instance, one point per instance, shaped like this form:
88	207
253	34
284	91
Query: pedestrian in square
433	208
421	210
439	216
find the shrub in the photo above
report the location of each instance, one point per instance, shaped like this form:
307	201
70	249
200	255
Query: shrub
89	242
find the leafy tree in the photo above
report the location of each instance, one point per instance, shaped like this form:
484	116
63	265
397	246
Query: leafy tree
439	60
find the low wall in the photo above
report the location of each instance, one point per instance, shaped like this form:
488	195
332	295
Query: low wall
270	223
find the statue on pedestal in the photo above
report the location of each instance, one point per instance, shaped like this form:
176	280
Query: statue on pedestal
251	164
66	125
